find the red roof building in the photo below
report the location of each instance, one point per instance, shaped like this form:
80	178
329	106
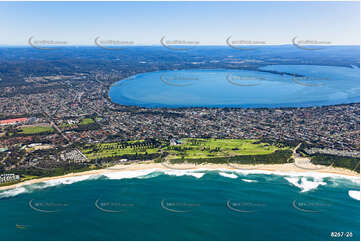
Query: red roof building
13	121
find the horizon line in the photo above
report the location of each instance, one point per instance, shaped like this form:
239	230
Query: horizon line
159	45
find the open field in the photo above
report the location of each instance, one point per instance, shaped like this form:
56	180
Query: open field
208	148
86	121
36	129
187	149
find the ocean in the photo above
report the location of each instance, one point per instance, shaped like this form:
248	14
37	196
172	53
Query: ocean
268	87
184	205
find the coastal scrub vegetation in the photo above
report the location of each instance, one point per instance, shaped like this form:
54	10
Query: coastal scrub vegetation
351	163
277	157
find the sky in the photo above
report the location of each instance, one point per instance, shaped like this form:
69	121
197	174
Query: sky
208	23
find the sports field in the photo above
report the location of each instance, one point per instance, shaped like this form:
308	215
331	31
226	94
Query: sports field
36	129
86	121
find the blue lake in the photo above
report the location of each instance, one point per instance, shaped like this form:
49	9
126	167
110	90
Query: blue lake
269	86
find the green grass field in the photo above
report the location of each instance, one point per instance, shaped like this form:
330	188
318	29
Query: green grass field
208	148
86	121
189	149
65	125
105	150
36	129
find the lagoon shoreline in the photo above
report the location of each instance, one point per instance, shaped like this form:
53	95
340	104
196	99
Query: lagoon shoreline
286	169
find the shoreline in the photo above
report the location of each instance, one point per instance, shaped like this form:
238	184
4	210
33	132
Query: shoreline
148	165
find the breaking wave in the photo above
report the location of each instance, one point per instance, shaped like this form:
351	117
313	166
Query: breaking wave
305	184
129	174
41	185
229	175
247	180
184	173
305	181
13	192
354	194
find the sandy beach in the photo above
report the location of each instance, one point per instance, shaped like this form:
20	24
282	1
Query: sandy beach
147	165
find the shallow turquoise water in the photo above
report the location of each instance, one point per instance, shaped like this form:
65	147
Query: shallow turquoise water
290	86
205	205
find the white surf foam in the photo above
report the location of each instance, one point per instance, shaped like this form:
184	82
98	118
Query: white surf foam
247	180
128	174
65	181
13	192
229	175
305	184
27	188
183	173
196	174
354	194
151	173
313	174
297	179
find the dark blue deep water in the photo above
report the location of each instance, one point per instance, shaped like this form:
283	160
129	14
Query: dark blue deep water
269	86
178	205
